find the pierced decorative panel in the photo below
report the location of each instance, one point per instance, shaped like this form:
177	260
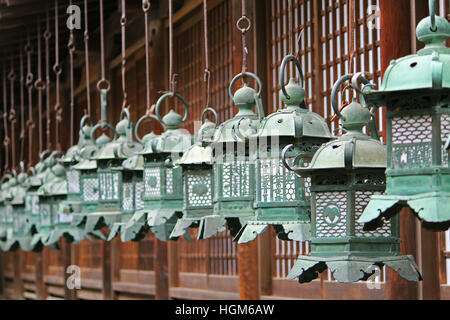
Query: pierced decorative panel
45	214
109	186
139	187
277	183
127	197
235	179
411	138
9	213
331	214
445	134
55	215
169	180
73	181
34	205
362	198
19	221
199	188
152	182
90	189
2	214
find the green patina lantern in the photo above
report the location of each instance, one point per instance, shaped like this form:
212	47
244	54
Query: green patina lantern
110	176
88	180
18	236
416	92
345	173
6	217
282	196
196	165
51	194
72	157
233	167
130	227
163	187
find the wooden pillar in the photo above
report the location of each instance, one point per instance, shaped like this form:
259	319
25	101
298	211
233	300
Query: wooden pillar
161	270
18	283
247	258
106	271
428	241
41	292
2	274
395	43
158	80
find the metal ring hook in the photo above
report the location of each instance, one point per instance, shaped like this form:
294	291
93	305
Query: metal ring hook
287	59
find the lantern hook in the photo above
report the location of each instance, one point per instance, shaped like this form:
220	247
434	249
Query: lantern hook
164	97
334	92
284	160
360	77
138	124
432	4
287	59
213	111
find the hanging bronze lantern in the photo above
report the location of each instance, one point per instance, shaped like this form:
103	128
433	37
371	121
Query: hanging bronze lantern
19	235
197	173
37	177
415	90
163	187
110	175
282	196
133	225
88	180
233	168
5	217
51	193
345	173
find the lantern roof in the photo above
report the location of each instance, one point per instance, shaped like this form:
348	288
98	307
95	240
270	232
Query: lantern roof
245	99
122	147
428	69
56	186
86	164
19	192
175	140
147	141
353	150
134	163
294	120
200	152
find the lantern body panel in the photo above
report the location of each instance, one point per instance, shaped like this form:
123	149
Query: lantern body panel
198	192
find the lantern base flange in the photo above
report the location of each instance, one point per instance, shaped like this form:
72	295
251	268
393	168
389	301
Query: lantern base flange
431	208
286	230
353	268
